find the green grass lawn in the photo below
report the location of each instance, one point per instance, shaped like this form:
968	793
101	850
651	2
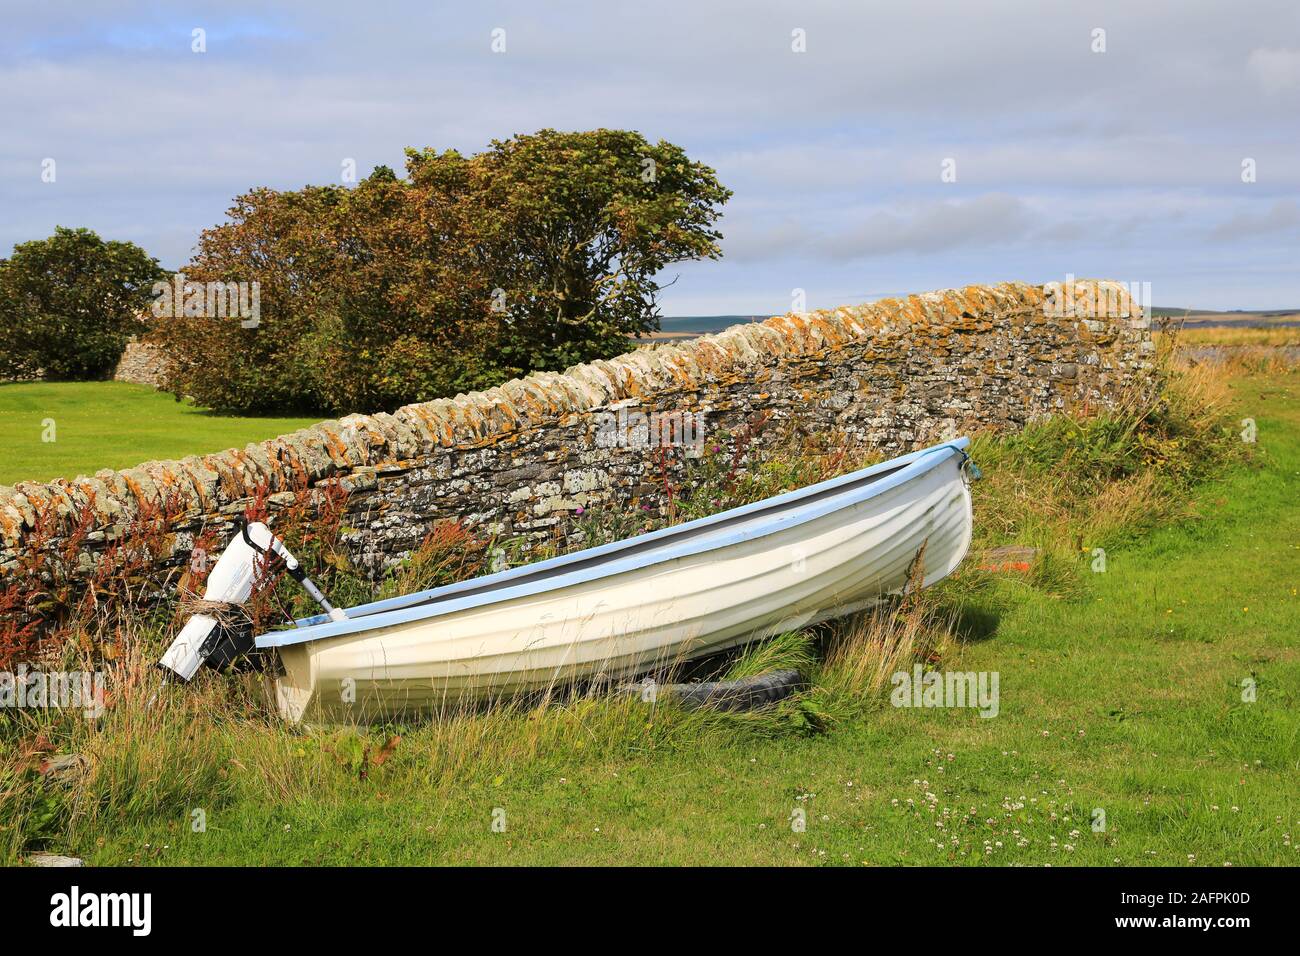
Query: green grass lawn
1126	700
111	425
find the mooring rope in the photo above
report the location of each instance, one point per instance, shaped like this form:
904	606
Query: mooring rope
226	613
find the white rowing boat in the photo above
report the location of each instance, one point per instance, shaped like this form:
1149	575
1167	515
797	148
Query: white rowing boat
625	607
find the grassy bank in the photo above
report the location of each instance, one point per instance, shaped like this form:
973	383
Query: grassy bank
111	425
1121	691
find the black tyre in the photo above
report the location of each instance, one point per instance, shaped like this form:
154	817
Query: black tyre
749	693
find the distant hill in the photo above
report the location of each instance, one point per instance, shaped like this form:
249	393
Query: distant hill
703	324
684	326
1235	315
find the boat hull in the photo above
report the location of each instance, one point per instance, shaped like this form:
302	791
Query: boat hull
770	575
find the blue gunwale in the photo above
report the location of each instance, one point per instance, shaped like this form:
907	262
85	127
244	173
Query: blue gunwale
431	603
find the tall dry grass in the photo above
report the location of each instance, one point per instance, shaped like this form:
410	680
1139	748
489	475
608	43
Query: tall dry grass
1074	482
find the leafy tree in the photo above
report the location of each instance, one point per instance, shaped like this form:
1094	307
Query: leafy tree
572	228
70	303
535	254
277	240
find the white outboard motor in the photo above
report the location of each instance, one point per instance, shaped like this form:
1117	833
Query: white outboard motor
202	639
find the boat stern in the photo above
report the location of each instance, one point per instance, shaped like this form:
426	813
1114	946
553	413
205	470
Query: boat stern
295	689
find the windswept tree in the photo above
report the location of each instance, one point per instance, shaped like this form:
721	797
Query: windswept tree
538	253
70	303
573	229
279	240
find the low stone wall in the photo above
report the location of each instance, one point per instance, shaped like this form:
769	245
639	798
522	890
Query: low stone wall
141	363
888	376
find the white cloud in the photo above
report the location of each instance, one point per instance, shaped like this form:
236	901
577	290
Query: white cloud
1277	71
1282	216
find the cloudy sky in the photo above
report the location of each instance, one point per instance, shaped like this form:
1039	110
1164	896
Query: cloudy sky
1125	164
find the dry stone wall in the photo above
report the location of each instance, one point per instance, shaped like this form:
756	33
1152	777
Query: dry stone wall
514	460
141	363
